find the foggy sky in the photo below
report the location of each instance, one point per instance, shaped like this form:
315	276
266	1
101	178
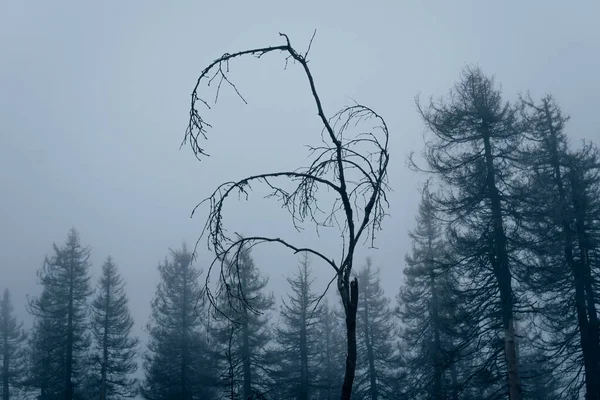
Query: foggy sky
94	100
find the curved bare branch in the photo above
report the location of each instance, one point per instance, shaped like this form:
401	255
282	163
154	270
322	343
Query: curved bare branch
352	162
228	258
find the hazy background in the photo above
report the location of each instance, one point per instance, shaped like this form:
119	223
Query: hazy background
94	100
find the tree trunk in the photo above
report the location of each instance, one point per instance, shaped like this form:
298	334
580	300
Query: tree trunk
502	272
350	310
511	359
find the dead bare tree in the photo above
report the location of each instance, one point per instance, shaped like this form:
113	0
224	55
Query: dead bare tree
351	164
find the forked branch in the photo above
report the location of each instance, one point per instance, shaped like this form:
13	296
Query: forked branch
352	162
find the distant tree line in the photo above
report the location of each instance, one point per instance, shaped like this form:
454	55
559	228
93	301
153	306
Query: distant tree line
81	346
499	297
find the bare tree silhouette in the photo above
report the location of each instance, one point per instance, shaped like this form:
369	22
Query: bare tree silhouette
351	161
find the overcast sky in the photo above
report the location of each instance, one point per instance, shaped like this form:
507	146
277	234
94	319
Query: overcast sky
94	100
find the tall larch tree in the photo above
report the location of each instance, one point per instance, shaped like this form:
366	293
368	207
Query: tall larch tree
583	175
297	335
62	313
375	335
115	350
475	134
559	208
12	338
176	364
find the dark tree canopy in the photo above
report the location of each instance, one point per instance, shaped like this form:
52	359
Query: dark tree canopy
474	137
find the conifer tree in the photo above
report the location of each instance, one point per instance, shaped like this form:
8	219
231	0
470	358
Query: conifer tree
297	338
330	355
475	138
176	365
430	311
376	330
44	359
241	334
12	338
560	211
115	351
61	336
